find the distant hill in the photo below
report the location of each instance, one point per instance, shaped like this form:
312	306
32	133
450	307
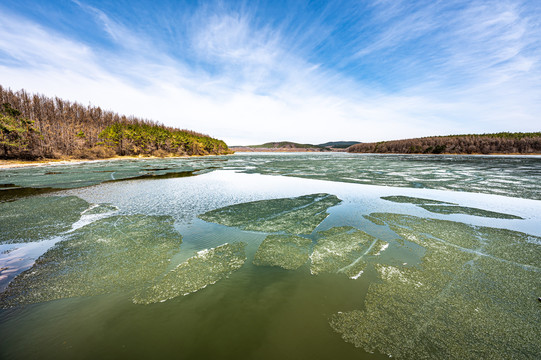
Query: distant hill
339	144
281	146
285	144
498	143
293	146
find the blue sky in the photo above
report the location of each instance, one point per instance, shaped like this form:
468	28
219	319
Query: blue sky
306	71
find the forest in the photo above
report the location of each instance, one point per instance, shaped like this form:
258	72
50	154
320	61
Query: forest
498	143
34	127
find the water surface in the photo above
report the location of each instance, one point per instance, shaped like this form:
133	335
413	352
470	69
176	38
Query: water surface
273	255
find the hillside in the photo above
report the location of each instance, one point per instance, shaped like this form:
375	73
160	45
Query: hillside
34	126
280	146
339	144
498	143
289	146
285	144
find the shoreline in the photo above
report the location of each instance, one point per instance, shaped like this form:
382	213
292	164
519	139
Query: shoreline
15	163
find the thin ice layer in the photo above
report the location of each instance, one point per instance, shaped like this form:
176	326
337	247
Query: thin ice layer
38	218
457	304
505	245
501	175
445	209
199	271
341	249
442	207
287	251
100	209
111	254
96	172
300	215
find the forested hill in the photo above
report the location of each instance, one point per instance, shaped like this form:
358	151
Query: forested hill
285	144
499	143
35	126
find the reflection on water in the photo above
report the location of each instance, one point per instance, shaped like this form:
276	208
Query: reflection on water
236	265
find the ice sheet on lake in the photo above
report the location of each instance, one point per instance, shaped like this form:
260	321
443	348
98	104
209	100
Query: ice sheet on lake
82	174
506	245
446	209
473	296
484	174
299	215
115	253
287	251
98	209
199	271
343	249
37	218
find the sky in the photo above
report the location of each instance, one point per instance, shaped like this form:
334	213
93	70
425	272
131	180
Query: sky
250	72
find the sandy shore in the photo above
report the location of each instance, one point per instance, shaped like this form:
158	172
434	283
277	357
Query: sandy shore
9	164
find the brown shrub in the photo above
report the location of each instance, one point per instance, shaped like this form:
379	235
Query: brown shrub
96	152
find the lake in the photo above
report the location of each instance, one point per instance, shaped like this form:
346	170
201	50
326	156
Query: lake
265	255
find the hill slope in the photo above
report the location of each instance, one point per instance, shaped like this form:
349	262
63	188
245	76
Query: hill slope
498	143
34	126
339	144
284	144
280	146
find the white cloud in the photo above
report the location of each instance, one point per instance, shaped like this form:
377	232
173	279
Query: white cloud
261	91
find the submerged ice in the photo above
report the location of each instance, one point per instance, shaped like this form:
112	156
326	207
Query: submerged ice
473	295
446	209
203	269
413	200
38	218
287	251
300	215
343	250
442	207
96	172
111	254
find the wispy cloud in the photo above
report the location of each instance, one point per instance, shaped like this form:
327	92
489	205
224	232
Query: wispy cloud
453	68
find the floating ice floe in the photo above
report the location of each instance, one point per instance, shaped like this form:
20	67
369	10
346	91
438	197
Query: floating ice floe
25	220
446	209
111	254
98	209
205	268
300	215
96	172
287	251
471	297
442	207
413	200
343	249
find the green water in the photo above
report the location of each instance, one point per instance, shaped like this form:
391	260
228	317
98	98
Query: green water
273	256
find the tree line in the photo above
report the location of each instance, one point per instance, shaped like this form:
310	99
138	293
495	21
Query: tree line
498	143
34	126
